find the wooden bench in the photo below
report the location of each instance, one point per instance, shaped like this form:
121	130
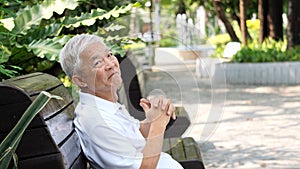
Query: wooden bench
50	141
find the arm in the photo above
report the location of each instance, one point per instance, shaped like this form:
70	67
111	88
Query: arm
153	128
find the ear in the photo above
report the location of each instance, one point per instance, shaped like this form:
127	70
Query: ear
79	81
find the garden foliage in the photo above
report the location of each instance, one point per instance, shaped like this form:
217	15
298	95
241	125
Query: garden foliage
32	34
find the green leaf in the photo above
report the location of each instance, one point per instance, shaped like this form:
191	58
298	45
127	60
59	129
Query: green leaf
8	72
5	53
84	19
8	23
41	33
115	49
30	16
44	65
114	27
11	141
45	48
20	55
88	19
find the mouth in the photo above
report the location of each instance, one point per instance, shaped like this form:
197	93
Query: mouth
114	73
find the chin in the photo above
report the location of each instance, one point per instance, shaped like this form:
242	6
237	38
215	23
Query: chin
117	83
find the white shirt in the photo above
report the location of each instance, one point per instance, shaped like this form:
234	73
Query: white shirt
110	137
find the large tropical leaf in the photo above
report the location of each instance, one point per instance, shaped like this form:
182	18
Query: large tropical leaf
42	32
8	23
33	15
48	48
88	19
20	55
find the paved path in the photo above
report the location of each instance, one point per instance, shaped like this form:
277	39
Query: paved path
252	127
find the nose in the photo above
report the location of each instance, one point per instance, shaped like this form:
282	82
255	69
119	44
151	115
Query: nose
109	63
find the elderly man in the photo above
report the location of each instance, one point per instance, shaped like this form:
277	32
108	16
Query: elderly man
109	136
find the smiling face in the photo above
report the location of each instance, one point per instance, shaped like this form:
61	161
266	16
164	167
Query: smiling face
99	73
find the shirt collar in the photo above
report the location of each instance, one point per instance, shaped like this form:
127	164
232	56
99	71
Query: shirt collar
105	105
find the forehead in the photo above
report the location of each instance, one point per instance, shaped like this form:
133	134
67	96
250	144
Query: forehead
94	49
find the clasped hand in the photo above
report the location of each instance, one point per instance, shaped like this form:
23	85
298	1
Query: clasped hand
158	108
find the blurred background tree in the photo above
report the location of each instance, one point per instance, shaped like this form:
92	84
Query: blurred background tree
293	30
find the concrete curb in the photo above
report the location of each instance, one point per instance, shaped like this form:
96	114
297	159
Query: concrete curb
279	73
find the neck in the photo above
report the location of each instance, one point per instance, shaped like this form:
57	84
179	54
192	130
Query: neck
113	97
110	95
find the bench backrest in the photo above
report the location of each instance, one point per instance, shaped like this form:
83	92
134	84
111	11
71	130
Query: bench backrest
50	141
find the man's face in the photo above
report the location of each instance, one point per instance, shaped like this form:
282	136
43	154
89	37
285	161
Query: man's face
99	69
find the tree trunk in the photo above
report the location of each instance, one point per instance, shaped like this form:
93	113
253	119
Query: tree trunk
262	15
221	15
243	21
237	18
275	19
293	30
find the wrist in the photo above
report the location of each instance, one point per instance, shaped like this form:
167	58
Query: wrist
157	127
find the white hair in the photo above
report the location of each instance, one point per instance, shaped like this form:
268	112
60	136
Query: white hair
69	56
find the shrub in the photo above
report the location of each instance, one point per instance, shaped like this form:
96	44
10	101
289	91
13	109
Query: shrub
269	51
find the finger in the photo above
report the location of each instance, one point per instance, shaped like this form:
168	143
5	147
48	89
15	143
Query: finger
145	101
174	116
144	106
155	101
150	97
171	109
165	104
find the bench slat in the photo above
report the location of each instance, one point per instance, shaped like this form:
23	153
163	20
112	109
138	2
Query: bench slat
54	106
71	149
190	148
34	83
80	162
185	151
33	140
177	149
14	101
166	146
51	161
62	125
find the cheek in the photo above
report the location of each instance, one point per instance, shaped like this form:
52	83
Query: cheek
99	75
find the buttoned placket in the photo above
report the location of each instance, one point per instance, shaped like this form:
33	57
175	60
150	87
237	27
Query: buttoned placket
121	110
